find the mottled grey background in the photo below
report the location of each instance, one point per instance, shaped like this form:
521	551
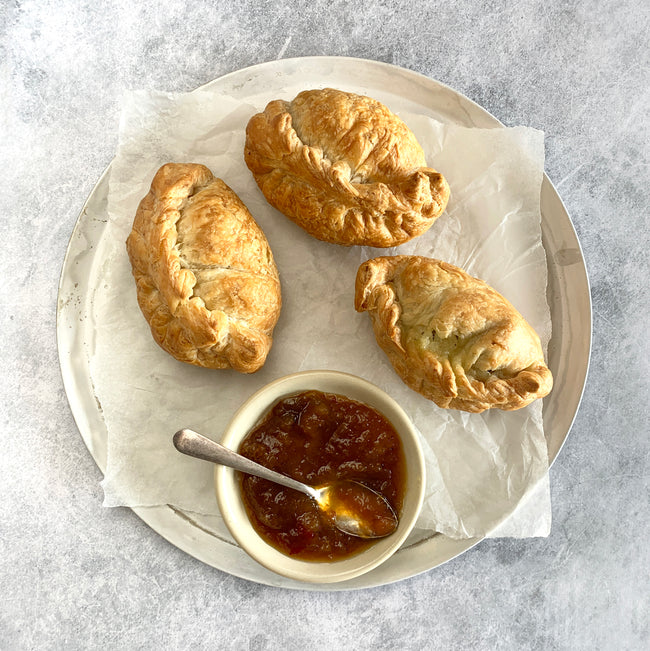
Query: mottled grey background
75	575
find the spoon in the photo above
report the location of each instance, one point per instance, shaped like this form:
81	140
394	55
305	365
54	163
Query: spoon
351	506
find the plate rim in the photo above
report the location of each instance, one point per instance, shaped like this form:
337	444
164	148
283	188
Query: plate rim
149	514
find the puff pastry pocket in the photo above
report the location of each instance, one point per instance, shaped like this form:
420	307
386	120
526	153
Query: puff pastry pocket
451	337
344	168
205	276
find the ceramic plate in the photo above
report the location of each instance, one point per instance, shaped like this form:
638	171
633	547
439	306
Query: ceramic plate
568	298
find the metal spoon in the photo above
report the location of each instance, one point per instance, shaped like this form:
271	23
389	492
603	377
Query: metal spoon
351	506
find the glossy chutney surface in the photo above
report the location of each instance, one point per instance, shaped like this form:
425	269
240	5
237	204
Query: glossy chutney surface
316	438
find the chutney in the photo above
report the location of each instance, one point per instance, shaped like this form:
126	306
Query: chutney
316	438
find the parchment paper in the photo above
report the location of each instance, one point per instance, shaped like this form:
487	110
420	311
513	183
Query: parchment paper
479	466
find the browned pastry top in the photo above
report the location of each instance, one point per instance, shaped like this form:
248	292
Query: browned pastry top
344	168
450	336
206	280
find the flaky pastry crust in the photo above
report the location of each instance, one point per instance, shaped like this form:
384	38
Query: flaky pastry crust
205	276
451	337
344	168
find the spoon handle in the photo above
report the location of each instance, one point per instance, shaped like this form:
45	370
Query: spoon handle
195	445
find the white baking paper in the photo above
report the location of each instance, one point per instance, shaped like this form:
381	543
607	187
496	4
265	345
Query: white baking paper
479	466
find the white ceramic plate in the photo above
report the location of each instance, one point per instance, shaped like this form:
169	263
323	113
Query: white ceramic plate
568	298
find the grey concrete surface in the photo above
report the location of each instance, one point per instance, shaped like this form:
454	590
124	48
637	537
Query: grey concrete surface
75	575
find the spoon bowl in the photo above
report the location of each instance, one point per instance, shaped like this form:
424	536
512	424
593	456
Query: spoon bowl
356	509
351	506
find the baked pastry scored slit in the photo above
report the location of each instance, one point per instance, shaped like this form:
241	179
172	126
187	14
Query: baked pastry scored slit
451	337
206	280
344	168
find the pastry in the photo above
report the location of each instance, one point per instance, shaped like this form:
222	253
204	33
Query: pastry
344	168
451	337
205	276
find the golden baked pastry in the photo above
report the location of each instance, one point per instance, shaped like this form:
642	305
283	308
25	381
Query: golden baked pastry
206	280
451	337
344	168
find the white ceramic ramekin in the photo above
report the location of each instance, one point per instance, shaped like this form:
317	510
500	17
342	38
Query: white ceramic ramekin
229	494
